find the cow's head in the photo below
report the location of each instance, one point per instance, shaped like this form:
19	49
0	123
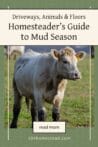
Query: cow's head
66	60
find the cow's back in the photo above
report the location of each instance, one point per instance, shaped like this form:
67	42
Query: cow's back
31	70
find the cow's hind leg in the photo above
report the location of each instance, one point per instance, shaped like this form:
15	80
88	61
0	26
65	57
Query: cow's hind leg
16	106
34	113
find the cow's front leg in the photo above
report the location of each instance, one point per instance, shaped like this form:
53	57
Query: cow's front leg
56	107
38	96
55	114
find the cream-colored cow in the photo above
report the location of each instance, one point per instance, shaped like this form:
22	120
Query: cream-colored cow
43	77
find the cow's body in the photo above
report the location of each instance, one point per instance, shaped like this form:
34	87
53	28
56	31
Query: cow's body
43	77
46	86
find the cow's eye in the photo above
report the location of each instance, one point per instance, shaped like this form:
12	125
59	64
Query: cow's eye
65	62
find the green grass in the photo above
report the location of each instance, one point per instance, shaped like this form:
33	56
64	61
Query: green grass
75	108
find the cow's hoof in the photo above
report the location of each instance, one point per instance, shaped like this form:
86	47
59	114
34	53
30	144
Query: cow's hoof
41	115
55	116
13	126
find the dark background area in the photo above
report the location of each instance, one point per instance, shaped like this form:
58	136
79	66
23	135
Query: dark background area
47	48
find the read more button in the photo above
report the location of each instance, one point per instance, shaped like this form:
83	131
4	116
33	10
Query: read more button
49	127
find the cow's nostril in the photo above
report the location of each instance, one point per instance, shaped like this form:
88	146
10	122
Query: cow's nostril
76	75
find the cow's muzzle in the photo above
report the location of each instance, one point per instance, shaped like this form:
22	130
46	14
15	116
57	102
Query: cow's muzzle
75	76
72	76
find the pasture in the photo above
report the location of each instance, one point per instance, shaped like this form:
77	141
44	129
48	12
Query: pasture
75	109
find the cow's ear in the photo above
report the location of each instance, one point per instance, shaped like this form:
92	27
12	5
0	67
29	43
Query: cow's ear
55	54
80	55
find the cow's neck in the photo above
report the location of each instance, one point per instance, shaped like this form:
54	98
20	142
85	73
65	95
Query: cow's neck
56	77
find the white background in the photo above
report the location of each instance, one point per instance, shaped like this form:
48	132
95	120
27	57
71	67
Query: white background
8	37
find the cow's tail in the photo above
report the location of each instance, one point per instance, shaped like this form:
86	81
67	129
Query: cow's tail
27	103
